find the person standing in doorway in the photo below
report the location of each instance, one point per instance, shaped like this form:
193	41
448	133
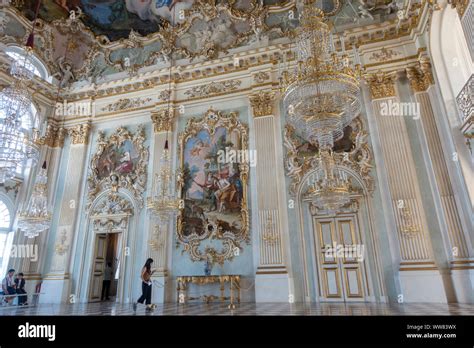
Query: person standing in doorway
146	286
108	276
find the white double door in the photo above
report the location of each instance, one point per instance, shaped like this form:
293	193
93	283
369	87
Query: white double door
341	259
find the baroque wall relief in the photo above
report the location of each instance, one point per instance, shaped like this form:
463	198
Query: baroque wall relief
119	162
214	223
352	151
111	213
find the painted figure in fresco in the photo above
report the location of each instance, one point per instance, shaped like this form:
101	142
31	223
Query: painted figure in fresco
226	192
126	164
154	10
106	164
235	180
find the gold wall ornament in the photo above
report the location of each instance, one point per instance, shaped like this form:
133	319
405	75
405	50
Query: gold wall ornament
261	77
460	6
54	136
384	54
157	241
61	248
420	76
163	120
221	217
164	95
270	236
301	156
112	204
262	103
382	85
126	104
120	162
80	133
213	88
409	228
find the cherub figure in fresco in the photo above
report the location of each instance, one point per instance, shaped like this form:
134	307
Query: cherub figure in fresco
198	147
65	72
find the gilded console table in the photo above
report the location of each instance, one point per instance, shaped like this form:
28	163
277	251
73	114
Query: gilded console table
233	280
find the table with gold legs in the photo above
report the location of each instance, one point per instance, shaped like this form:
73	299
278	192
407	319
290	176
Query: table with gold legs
232	279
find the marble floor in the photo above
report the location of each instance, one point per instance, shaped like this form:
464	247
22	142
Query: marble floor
336	309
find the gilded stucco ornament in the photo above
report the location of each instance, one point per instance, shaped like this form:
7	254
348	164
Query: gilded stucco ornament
301	156
382	84
120	162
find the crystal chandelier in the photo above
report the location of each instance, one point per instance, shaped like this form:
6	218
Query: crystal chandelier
36	217
162	204
18	132
18	135
331	188
322	96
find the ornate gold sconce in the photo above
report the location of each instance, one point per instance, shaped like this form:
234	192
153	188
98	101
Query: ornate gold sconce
157	241
409	228
270	236
62	247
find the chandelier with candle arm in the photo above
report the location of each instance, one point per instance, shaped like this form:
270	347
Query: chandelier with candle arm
35	218
322	96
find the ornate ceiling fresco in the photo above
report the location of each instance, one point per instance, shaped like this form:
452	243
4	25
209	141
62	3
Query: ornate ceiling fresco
88	39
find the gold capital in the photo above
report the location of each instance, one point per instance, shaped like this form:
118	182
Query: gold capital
163	120
420	76
460	6
54	136
262	103
80	133
382	85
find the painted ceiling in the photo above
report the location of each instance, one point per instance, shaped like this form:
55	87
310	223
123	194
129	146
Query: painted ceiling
88	39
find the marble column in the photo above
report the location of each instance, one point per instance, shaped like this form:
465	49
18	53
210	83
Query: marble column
57	283
272	282
420	278
159	236
454	228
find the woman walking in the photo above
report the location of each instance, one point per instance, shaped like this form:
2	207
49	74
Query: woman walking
146	286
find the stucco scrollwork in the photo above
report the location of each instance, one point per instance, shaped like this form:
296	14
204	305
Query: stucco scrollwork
301	156
120	161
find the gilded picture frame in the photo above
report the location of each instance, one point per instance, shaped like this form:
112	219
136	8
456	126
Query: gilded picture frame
214	224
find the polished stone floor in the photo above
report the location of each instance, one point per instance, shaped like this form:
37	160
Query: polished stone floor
358	309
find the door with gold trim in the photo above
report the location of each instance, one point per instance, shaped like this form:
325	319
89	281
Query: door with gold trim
342	276
98	266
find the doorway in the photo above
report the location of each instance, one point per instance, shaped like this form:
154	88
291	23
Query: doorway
340	257
105	267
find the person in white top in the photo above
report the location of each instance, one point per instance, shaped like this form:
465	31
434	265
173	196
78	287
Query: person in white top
8	286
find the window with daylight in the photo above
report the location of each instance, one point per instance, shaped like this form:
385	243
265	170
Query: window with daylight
38	68
4	216
5	225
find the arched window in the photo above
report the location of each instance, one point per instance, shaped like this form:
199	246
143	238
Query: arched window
4	216
5	235
29	119
36	66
